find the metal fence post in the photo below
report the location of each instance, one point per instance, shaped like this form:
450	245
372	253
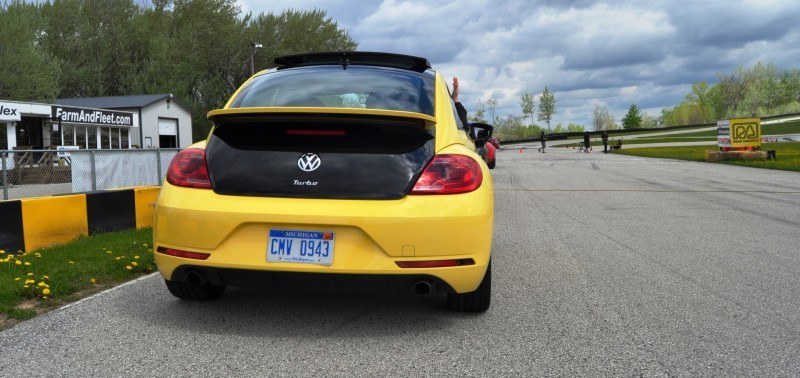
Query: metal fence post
94	171
5	176
158	157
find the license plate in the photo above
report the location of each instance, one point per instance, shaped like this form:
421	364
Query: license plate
308	247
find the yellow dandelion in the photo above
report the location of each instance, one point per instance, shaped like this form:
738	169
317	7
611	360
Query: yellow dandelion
136	257
29	282
2	251
117	258
72	262
128	267
30	274
41	284
46	291
26	286
27	263
93	280
134	263
18	262
17	279
46	277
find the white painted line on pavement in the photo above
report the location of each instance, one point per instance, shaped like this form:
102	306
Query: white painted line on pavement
68	305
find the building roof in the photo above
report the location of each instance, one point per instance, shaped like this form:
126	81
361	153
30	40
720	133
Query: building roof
120	102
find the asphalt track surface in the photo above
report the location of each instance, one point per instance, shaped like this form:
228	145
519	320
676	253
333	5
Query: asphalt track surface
603	265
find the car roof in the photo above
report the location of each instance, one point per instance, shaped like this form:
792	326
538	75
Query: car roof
359	58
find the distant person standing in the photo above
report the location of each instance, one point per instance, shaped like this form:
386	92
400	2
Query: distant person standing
586	141
542	138
604	136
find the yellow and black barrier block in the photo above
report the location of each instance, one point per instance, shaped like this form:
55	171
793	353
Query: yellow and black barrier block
33	223
146	205
53	220
113	210
12	237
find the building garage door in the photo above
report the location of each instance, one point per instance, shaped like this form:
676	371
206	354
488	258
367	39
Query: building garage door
167	133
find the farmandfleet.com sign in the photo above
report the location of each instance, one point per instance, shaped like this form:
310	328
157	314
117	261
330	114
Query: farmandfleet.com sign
93	116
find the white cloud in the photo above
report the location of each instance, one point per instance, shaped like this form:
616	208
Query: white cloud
587	52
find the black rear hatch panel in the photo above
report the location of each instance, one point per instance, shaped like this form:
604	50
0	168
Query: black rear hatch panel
359	156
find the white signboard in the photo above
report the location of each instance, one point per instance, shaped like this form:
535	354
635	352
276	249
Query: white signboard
724	133
62	150
10	111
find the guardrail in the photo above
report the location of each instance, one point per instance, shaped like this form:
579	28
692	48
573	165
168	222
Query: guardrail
595	133
37	173
560	136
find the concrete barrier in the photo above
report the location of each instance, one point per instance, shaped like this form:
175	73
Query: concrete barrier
34	223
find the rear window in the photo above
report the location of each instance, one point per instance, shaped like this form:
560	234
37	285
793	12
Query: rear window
334	87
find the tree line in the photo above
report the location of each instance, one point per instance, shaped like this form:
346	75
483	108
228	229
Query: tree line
517	126
198	50
760	91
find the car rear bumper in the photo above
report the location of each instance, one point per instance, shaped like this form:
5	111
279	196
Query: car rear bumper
371	235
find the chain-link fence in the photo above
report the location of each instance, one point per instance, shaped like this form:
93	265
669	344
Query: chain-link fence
36	173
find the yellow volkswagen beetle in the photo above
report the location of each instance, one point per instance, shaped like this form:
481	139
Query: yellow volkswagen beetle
333	172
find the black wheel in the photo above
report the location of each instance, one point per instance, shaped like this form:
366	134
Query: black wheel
475	301
185	290
492	163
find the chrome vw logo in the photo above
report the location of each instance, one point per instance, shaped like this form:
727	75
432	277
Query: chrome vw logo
309	162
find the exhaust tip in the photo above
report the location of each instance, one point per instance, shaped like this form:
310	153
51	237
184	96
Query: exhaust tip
196	278
422	287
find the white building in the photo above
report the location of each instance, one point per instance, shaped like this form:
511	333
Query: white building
30	125
165	121
119	122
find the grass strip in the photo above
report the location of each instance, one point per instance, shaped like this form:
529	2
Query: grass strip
788	155
38	281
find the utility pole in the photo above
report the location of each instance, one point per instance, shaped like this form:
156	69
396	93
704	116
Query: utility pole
252	57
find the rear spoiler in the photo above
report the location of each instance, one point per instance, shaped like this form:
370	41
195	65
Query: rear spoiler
360	58
220	113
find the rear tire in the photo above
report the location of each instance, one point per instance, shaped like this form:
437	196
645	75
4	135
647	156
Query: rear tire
492	163
475	301
185	290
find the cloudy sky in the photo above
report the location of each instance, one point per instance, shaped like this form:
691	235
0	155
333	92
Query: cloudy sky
587	52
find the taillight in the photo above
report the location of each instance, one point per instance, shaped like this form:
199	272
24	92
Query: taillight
188	169
434	263
449	174
184	254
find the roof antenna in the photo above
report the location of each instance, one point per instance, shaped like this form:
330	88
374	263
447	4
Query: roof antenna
345	61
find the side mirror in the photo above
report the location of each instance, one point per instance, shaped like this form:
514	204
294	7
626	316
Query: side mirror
480	133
